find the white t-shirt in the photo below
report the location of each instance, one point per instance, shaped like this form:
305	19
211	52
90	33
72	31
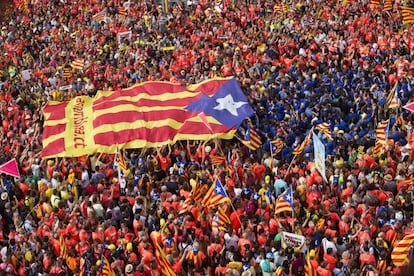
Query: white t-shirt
328	244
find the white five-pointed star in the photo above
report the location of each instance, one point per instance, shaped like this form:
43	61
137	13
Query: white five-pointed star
288	198
229	104
218	190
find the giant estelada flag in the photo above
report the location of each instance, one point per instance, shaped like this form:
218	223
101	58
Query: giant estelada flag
150	114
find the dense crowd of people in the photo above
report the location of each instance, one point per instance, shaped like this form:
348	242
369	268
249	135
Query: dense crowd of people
300	64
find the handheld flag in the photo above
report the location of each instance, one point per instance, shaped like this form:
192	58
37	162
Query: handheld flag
400	253
389	5
78	64
166	267
63	247
309	269
221	220
276	147
106	269
407	15
382	132
217	160
10	168
120	161
215	195
375	4
299	149
409	107
392	98
121	11
100	16
252	139
284	202
325	129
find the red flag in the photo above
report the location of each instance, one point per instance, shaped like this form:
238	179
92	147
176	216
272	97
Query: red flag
409	107
10	168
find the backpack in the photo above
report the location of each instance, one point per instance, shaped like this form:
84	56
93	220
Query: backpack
266	266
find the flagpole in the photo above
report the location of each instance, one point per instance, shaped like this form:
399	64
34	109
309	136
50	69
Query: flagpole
271	157
290	165
293	208
118	167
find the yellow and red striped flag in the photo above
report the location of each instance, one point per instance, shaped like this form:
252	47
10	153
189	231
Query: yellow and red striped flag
382	132
284	203
276	146
67	73
309	269
407	15
389	5
196	194
252	139
299	149
325	129
217	160
63	247
392	98
400	253
382	265
151	114
100	16
220	220
375	4
78	64
400	120
106	269
120	160
121	11
166	267
23	6
216	195
280	7
378	148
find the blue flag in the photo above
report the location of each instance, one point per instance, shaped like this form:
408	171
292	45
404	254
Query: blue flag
228	105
